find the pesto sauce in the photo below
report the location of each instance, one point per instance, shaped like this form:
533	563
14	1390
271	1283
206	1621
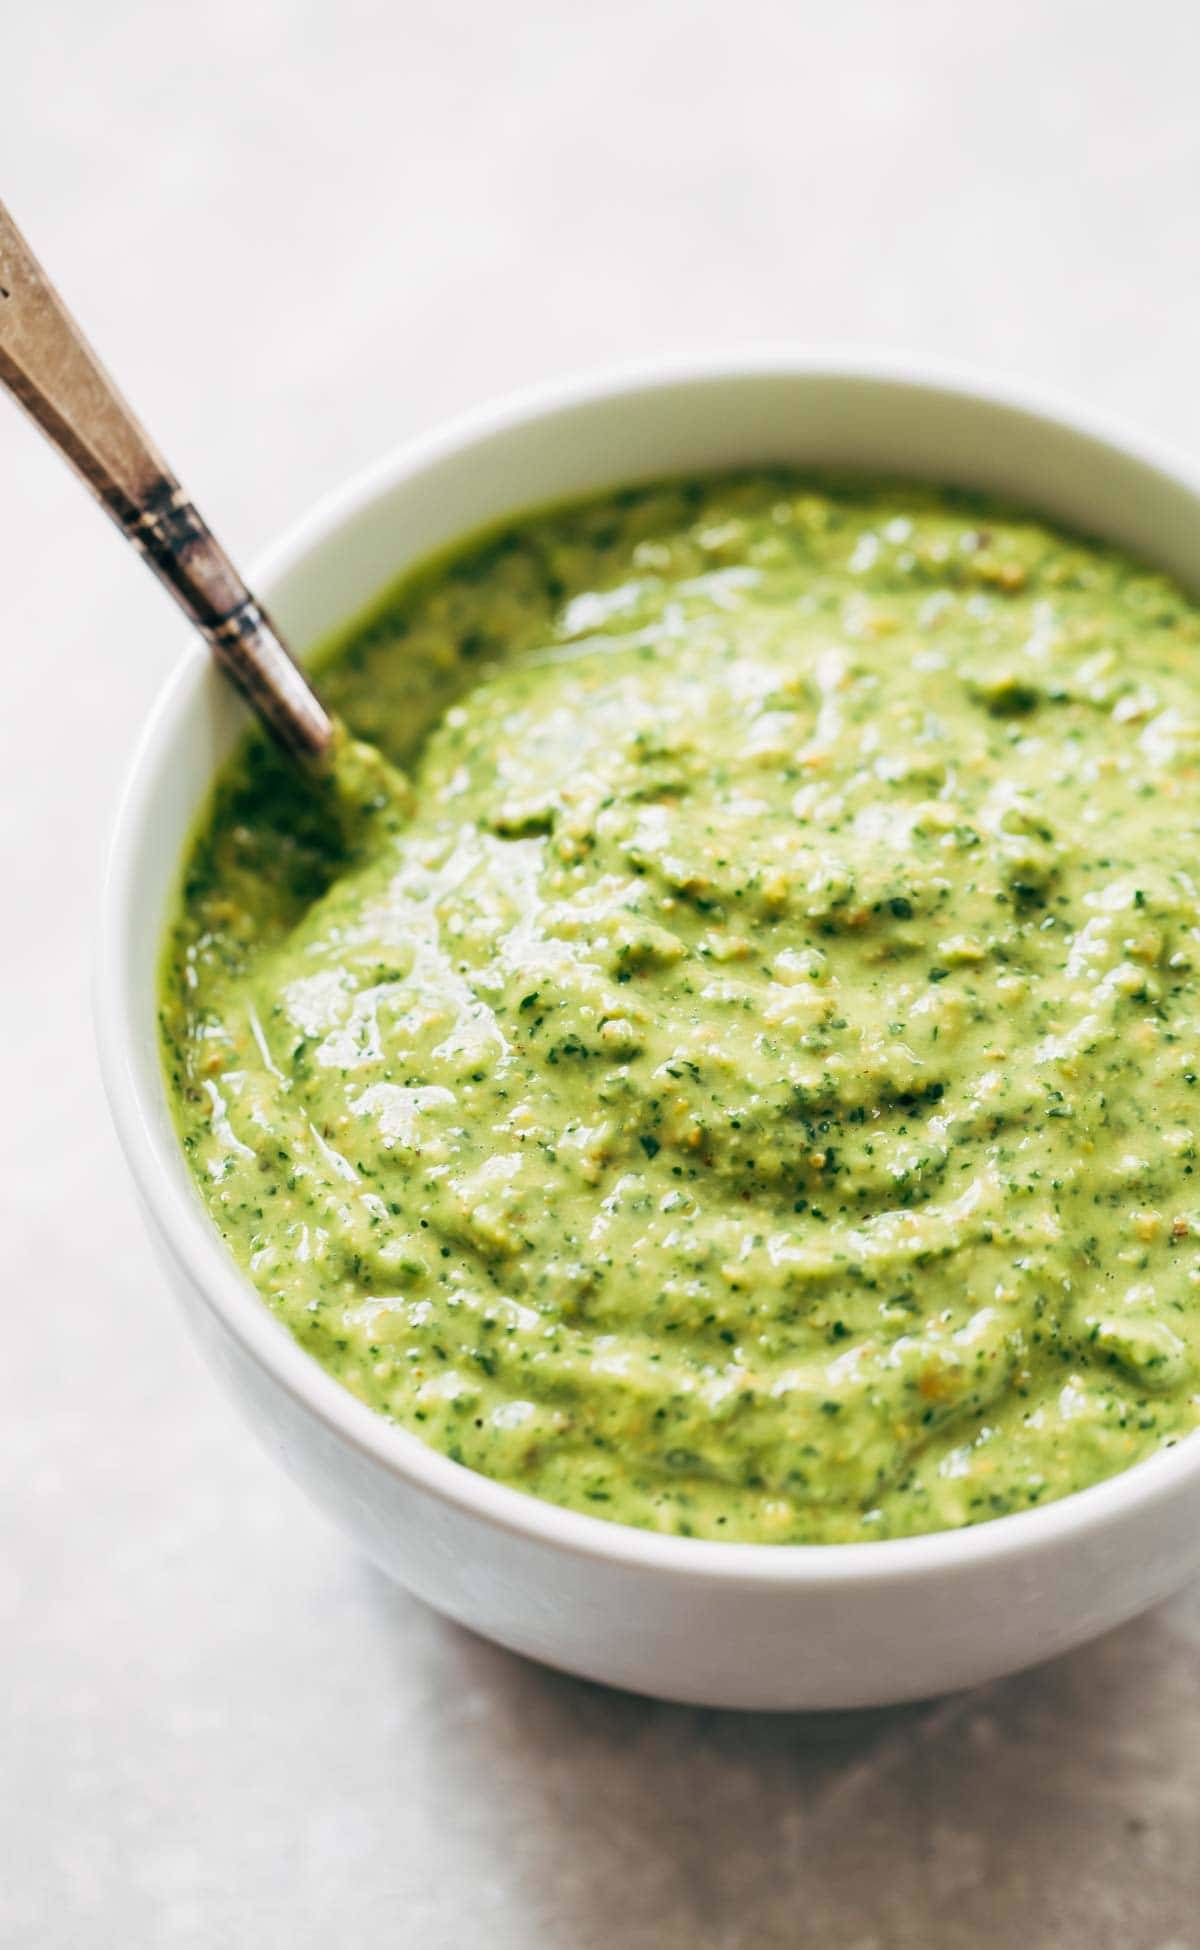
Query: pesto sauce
748	1089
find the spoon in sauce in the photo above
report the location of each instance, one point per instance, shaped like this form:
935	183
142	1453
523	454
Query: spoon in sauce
48	366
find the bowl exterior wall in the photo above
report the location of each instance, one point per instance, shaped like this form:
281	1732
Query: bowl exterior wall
730	1644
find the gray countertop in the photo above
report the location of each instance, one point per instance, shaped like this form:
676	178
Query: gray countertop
300	231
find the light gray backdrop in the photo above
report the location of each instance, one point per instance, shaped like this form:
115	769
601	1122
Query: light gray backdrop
299	232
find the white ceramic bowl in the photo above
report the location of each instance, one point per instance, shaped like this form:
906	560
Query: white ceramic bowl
725	1624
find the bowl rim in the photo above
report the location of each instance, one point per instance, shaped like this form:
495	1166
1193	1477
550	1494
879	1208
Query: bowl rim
186	1229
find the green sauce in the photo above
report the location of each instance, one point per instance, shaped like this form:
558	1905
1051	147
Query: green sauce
748	1088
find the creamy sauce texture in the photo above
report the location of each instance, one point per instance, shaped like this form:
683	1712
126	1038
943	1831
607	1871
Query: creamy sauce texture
744	1083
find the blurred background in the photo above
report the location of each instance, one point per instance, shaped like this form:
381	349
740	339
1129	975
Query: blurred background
298	231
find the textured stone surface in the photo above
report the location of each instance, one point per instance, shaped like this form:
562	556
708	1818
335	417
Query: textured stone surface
299	232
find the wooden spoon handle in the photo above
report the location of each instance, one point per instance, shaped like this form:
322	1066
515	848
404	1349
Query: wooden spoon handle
46	363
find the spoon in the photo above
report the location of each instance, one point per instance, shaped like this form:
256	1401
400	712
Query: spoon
48	366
